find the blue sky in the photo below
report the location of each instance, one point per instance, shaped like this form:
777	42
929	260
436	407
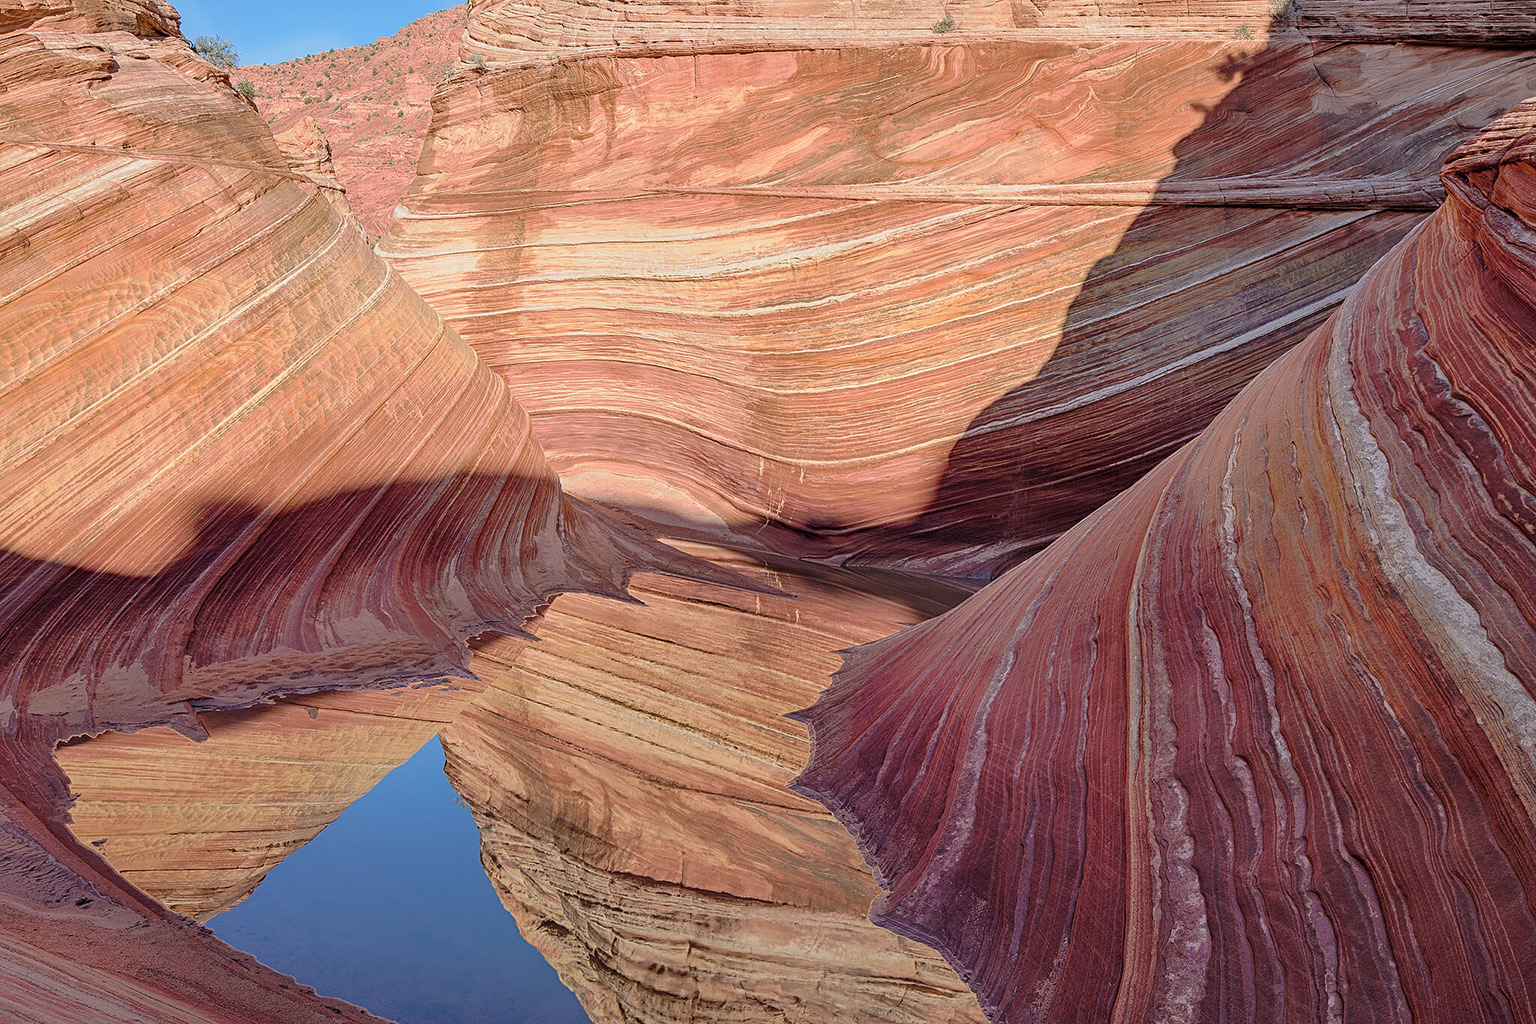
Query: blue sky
277	30
389	908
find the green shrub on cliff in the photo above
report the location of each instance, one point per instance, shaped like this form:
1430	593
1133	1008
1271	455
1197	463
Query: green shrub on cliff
216	50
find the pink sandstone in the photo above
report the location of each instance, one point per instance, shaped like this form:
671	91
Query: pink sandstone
815	278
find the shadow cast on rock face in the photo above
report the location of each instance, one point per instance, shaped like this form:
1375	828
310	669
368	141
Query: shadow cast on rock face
362	589
197	826
965	291
1210	283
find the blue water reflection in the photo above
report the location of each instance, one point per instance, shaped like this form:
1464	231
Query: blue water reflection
389	908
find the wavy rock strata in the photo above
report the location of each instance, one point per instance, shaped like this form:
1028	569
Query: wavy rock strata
829	282
628	775
1257	741
238	457
305	148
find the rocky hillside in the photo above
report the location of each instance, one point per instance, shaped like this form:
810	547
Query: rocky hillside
373	102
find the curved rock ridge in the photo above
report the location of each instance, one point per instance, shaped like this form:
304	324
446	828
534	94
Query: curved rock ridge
1256	741
511	32
151	18
238	457
628	776
919	306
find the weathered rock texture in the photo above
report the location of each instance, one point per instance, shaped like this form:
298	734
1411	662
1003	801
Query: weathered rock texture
198	825
833	283
628	774
1257	741
305	148
238	457
372	102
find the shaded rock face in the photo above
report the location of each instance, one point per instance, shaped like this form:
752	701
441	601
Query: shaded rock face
372	102
238	457
1256	741
198	825
918	301
628	775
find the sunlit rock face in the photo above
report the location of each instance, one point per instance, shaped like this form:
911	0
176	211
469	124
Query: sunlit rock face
305	148
840	285
1257	741
238	457
628	775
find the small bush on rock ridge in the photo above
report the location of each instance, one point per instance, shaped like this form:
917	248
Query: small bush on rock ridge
216	50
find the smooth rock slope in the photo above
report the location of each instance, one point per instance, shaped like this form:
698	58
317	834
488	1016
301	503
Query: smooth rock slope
1256	741
818	278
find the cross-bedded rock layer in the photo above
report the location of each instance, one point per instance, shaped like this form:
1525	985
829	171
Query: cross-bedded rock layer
238	457
198	825
628	775
827	286
1256	741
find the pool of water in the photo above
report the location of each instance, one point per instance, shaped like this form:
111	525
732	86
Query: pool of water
390	909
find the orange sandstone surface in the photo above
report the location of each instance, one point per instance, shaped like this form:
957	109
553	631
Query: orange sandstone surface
822	279
239	457
1257	740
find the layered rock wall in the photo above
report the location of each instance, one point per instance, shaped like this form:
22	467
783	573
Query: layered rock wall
198	825
1257	741
814	284
238	457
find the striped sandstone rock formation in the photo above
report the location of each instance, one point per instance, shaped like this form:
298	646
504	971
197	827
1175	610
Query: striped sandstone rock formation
1256	741
305	148
628	773
828	282
238	457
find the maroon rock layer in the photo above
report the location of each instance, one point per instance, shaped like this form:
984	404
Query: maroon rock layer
1256	741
